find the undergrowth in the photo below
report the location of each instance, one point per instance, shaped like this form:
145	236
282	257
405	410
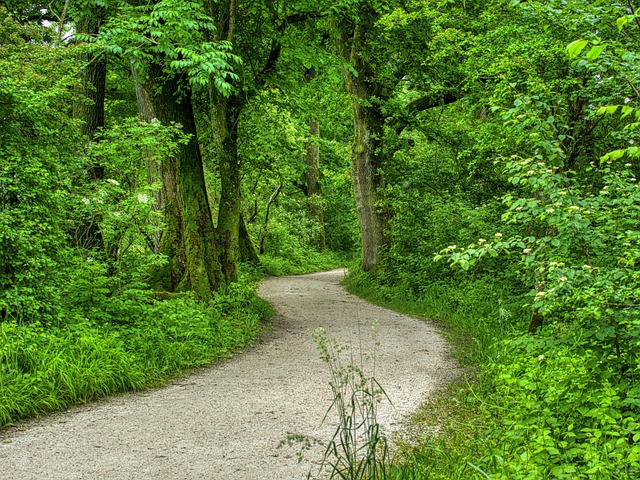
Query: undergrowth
44	368
537	407
456	308
300	262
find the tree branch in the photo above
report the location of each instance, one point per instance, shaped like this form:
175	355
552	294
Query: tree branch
420	105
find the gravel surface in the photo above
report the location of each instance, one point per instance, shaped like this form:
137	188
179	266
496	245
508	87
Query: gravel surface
226	421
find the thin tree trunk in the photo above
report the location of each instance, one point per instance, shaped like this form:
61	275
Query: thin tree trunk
312	177
90	109
154	169
265	225
94	79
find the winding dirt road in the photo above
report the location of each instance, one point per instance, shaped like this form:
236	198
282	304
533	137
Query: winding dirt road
225	422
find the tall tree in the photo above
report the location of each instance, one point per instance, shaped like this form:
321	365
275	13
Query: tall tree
354	34
312	172
166	43
91	110
265	21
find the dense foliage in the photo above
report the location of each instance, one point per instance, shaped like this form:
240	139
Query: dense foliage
81	219
481	155
528	186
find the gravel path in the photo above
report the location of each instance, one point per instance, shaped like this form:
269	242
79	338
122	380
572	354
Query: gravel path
225	422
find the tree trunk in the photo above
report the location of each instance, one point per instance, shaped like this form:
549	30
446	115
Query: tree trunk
154	169
94	81
225	113
224	124
189	239
312	177
248	251
89	108
367	155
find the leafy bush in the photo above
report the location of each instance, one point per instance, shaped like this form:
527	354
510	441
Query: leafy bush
557	416
36	141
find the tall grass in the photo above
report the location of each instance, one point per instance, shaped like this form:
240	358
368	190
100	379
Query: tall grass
358	448
473	316
43	369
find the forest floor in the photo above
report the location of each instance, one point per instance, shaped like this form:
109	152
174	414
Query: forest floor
226	422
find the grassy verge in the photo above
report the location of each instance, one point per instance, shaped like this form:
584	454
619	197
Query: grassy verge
540	407
48	368
472	316
301	262
447	437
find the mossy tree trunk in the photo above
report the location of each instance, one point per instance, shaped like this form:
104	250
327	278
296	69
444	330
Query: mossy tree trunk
312	180
367	156
248	252
189	239
225	113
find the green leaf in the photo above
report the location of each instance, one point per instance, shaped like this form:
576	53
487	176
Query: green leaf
621	22
608	110
614	155
594	52
575	47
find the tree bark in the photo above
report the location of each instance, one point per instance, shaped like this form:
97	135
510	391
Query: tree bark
154	169
89	108
224	125
248	251
312	177
189	239
94	81
367	156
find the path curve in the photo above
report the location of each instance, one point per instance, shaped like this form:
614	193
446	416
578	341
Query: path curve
225	422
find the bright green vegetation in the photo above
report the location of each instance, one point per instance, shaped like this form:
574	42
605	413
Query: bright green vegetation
156	158
144	343
86	308
515	226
